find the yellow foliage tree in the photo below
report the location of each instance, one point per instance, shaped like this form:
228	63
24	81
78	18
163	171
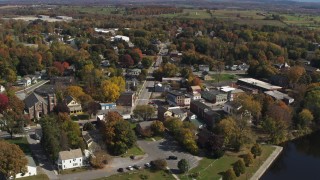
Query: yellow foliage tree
75	91
118	80
110	91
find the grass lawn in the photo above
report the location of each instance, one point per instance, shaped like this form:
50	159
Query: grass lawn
142	174
37	177
22	143
75	170
214	168
223	77
134	151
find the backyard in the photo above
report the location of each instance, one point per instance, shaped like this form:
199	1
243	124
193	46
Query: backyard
22	143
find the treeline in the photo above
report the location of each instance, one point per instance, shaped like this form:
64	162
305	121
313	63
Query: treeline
153	10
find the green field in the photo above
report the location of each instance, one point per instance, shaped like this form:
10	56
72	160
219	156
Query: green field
213	169
22	143
134	151
142	174
92	9
302	20
223	77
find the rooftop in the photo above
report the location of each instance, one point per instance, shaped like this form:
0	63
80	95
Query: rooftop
259	83
145	124
278	95
71	154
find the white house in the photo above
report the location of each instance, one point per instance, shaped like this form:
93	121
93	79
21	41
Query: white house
70	159
25	82
123	38
31	169
2	89
73	105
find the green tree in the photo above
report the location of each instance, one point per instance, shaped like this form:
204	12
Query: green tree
239	167
12	160
248	159
276	129
183	165
256	150
147	62
229	175
145	112
12	122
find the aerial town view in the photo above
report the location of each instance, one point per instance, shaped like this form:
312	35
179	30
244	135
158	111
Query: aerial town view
159	89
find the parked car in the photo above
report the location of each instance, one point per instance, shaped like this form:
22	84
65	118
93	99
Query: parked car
120	170
130	168
132	157
147	165
172	157
137	167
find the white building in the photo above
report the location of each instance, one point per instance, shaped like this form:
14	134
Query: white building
2	89
70	159
123	38
31	169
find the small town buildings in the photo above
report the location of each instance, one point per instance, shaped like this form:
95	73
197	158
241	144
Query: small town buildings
105	106
143	127
63	80
204	68
196	96
87	138
73	105
37	106
280	96
126	99
159	87
176	98
257	84
177	112
70	159
204	112
231	107
25	82
2	89
31	169
232	92
133	72
195	89
215	96
120	38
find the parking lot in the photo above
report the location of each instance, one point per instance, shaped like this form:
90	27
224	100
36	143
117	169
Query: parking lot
168	147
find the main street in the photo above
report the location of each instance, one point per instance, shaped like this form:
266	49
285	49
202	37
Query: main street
22	94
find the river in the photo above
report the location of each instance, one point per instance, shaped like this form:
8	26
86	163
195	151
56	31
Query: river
300	159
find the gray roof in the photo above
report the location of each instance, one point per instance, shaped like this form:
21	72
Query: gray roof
72	154
176	93
200	105
278	95
177	111
145	124
32	99
69	99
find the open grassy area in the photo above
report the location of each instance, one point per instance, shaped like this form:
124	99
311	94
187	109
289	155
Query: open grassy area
214	168
134	151
74	170
142	174
22	143
223	77
37	177
93	9
302	20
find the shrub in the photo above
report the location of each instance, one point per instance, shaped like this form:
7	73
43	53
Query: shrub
159	164
248	159
239	167
256	150
229	175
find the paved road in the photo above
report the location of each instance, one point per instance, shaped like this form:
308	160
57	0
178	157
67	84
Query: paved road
39	154
23	93
166	147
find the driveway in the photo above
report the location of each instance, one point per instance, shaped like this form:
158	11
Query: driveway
167	147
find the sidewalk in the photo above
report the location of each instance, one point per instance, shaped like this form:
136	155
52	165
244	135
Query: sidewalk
267	163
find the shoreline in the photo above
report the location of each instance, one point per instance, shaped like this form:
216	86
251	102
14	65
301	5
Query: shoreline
267	163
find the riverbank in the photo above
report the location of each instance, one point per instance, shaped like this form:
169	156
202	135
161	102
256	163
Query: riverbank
267	163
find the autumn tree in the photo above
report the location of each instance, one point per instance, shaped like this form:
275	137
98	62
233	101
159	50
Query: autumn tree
229	175
214	145
304	118
127	61
147	62
92	107
4	102
157	128
75	91
248	159
110	91
12	122
12	160
145	112
159	164
276	129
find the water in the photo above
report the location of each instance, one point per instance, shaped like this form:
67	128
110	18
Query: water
300	159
